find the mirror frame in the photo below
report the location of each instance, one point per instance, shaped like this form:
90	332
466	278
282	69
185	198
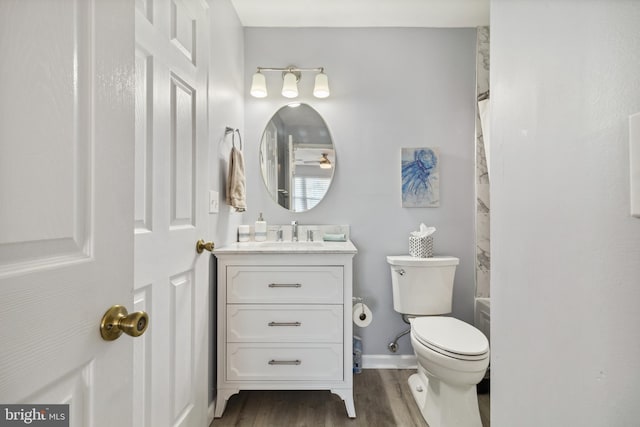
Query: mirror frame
276	160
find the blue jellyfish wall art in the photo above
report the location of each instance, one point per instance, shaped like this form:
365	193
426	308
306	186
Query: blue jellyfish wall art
420	177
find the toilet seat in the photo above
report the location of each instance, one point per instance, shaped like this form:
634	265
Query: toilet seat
450	337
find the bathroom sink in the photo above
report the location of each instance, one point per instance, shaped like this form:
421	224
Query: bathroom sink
289	245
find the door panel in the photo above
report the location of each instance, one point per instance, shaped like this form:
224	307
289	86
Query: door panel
46	102
182	333
144	142
142	361
183	150
171	209
183	30
74	388
145	7
66	197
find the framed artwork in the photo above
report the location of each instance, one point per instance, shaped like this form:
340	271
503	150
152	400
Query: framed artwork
420	177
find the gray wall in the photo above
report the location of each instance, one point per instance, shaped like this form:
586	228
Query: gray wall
391	88
565	252
226	108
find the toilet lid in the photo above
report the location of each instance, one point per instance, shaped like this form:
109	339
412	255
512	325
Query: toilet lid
451	337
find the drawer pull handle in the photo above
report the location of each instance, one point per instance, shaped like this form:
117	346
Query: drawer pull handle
284	362
285	324
285	285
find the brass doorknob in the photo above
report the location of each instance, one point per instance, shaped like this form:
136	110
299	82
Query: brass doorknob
201	245
117	320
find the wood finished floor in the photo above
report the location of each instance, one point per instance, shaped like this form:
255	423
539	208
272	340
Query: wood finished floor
382	399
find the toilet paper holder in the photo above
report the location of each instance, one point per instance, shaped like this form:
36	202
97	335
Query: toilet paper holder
361	314
356	300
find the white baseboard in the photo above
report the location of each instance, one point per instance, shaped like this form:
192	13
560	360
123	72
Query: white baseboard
389	361
210	412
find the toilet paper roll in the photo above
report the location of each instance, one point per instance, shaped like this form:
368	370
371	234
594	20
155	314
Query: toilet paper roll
362	315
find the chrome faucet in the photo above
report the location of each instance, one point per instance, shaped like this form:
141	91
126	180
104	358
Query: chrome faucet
294	231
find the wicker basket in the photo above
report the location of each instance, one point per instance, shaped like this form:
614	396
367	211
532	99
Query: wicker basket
421	247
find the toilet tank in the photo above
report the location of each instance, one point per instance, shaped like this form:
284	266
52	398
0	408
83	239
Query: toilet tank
422	286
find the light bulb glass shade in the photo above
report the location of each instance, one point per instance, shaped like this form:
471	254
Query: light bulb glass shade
258	85
321	88
290	86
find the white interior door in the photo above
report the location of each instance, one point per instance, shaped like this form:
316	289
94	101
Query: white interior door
66	203
171	205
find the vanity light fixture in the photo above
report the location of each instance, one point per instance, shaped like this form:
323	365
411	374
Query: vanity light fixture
258	85
321	88
290	85
291	76
325	163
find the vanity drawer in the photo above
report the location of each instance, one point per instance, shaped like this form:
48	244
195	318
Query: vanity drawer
285	285
284	323
284	362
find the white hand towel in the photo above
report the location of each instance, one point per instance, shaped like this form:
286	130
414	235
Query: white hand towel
236	184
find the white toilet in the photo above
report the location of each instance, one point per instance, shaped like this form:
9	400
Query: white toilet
452	355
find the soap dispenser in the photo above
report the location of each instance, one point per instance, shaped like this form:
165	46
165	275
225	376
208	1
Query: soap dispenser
260	229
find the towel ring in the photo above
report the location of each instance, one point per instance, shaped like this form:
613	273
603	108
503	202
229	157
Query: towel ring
239	138
229	130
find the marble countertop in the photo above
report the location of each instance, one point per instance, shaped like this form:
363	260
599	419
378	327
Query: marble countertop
273	247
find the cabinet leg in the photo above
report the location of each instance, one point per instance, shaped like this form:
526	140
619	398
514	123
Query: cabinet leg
347	396
222	397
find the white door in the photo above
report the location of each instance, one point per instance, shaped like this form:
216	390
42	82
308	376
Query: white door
171	205
66	203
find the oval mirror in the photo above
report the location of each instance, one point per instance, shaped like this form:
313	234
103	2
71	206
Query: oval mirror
297	157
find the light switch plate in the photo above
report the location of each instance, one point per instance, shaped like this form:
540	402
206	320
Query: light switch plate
213	201
634	163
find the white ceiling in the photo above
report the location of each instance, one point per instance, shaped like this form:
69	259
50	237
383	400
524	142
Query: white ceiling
362	13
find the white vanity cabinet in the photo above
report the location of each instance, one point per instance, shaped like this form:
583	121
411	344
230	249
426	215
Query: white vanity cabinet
284	319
